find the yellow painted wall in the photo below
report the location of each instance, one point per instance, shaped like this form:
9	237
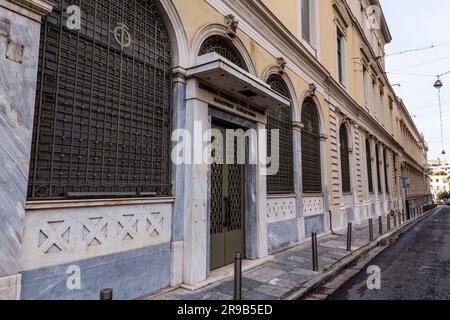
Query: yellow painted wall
286	11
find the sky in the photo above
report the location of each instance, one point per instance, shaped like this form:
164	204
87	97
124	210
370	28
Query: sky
418	24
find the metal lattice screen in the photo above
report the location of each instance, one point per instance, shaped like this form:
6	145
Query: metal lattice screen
369	165
311	160
386	177
283	181
345	160
224	48
377	154
103	111
386	180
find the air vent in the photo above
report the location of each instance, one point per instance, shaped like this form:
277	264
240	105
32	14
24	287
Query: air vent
248	93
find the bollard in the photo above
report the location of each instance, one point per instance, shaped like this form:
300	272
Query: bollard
331	222
315	256
380	225
106	294
238	277
371	229
349	236
388	222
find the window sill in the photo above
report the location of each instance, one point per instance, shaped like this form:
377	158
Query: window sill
281	195
312	195
65	204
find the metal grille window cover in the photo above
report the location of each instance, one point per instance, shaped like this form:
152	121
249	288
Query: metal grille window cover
223	47
345	160
311	161
386	171
283	181
377	152
103	111
369	165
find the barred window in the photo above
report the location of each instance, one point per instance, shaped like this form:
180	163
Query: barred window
345	160
377	153
223	47
283	181
369	165
311	162
385	157
103	110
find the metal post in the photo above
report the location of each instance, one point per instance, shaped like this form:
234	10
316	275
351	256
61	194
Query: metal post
371	229
315	256
238	277
408	210
389	222
349	236
106	294
380	225
331	222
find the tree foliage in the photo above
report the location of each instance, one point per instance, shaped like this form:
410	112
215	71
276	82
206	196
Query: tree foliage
444	195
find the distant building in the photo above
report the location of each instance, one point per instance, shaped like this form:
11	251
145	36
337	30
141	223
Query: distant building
438	165
439	177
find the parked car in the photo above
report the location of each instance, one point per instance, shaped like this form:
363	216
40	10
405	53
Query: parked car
448	202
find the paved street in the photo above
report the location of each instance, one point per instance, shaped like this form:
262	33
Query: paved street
417	266
289	271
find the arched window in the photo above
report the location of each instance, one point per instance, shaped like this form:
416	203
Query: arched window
369	165
223	47
283	181
311	160
345	160
103	110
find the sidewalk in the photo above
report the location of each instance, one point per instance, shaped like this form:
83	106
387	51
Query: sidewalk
291	270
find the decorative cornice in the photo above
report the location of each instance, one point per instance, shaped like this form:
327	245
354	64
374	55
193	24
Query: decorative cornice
33	9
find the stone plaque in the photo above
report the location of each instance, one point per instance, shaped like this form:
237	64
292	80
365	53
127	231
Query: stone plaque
14	51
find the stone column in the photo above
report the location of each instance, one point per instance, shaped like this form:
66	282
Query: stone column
195	193
261	204
352	156
179	122
373	146
19	52
382	180
298	181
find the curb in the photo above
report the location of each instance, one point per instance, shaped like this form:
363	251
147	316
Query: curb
349	260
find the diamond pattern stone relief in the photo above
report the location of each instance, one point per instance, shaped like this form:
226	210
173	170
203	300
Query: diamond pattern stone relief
75	234
281	209
313	206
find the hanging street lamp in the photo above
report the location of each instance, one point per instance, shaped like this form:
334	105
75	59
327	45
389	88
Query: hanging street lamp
438	85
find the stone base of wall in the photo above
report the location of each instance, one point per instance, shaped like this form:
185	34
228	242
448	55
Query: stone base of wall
282	234
314	224
10	287
130	274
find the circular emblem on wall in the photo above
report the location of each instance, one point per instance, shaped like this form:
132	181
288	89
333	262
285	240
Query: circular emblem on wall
122	35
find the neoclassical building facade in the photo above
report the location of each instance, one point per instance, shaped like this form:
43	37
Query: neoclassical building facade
92	93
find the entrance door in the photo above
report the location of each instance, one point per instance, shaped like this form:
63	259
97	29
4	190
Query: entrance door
227	204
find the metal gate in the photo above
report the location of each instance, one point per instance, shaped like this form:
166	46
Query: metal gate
227	204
